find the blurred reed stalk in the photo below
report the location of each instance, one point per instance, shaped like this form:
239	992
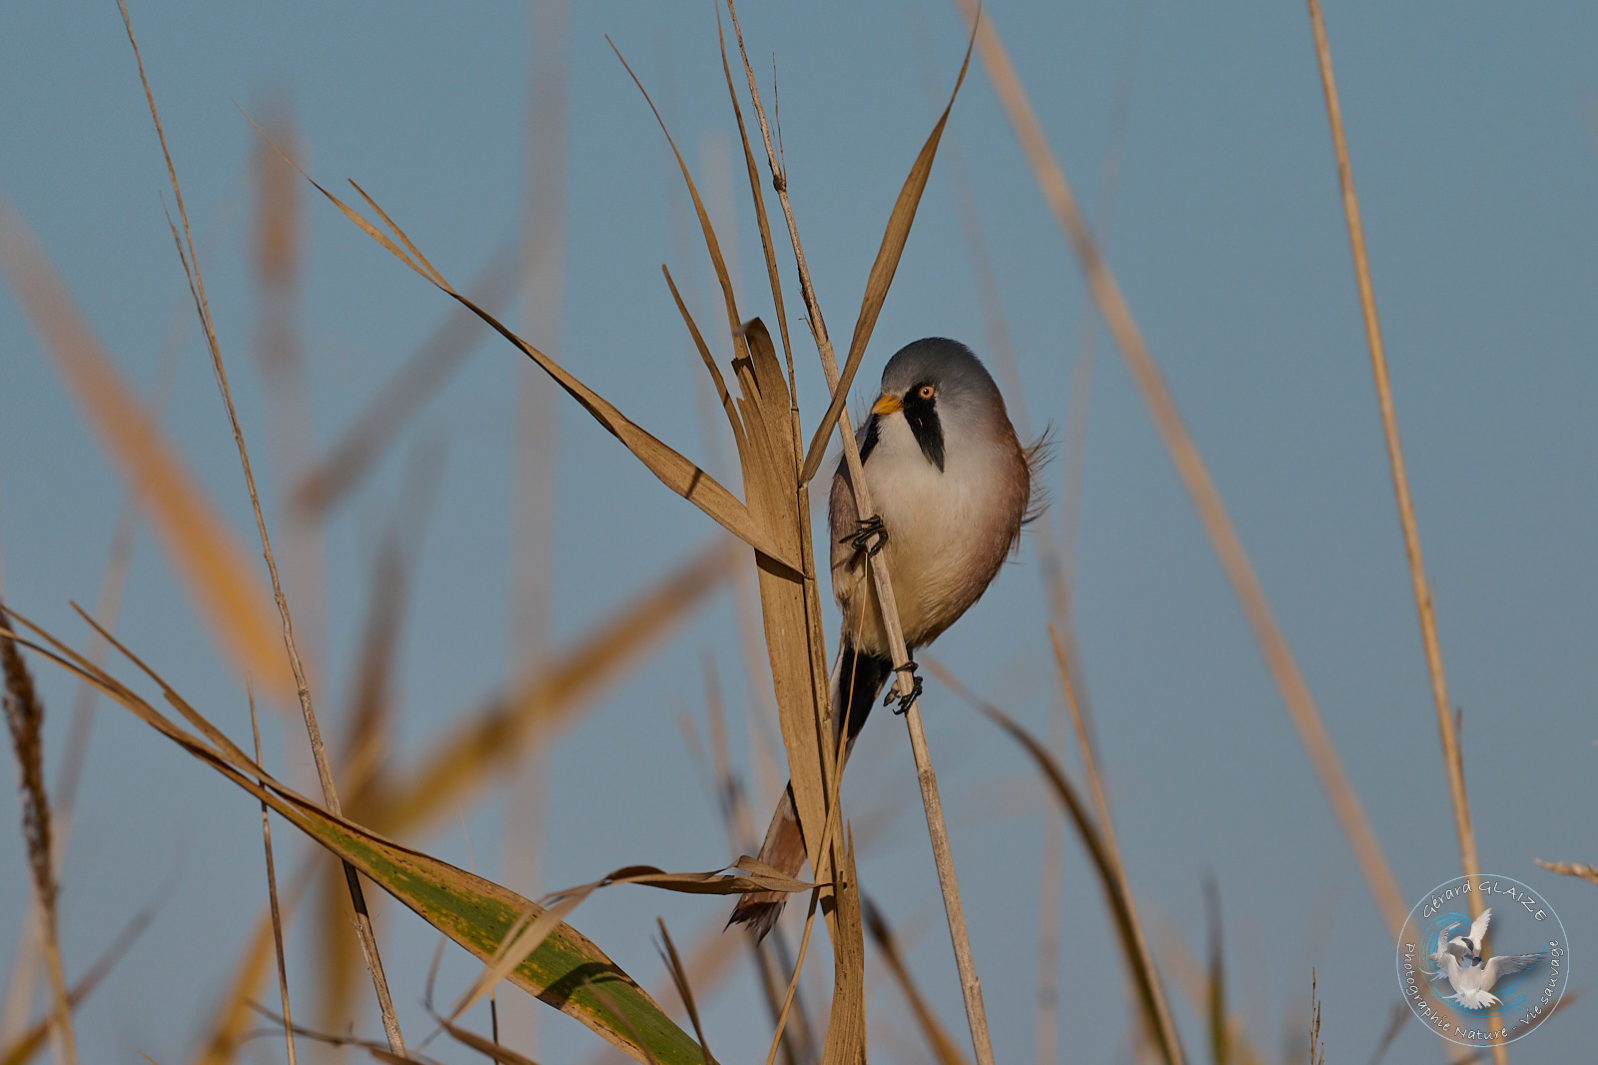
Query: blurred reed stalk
1195	476
1453	759
191	268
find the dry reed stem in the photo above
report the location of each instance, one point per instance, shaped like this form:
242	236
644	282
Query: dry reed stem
1106	864
24	715
1583	872
291	430
74	754
191	269
214	569
1193	980
1195	477
1452	758
679	979
535	451
271	896
1166	1027
227	1029
970	985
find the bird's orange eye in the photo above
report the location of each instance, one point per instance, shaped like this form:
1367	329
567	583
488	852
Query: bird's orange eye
925	391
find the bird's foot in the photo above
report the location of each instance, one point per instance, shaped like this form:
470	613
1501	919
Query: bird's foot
908	698
869	535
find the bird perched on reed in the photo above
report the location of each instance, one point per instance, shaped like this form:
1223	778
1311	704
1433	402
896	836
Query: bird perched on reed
952	486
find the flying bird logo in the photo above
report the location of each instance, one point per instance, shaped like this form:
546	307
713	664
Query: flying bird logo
1459	960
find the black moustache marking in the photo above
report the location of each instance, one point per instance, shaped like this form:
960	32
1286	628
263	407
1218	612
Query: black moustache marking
871	438
922	414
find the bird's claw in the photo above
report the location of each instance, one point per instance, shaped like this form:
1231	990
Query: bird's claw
869	535
906	699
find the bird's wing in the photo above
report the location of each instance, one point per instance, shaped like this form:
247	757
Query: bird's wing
1503	965
1447	967
1478	928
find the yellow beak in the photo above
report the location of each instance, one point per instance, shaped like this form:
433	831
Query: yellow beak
887	405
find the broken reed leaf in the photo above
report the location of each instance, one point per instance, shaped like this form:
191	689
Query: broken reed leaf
846	1025
1144	978
539	921
489	739
214	569
685	991
767	452
789	609
882	271
377	1051
567	970
668	465
709	360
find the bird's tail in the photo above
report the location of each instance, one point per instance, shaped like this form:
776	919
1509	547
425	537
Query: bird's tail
856	681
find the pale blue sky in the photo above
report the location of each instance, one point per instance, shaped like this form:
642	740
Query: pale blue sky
1471	128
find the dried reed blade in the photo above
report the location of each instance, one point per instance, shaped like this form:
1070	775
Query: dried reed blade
709	361
846	1025
767	451
538	922
670	467
1145	978
685	991
24	715
272	903
1195	476
213	568
472	911
881	275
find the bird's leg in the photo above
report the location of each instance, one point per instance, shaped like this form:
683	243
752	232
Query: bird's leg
869	535
898	685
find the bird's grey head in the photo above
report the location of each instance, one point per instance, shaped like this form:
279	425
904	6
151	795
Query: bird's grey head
958	376
940	386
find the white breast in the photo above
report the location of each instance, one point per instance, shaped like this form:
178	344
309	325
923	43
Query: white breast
948	531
